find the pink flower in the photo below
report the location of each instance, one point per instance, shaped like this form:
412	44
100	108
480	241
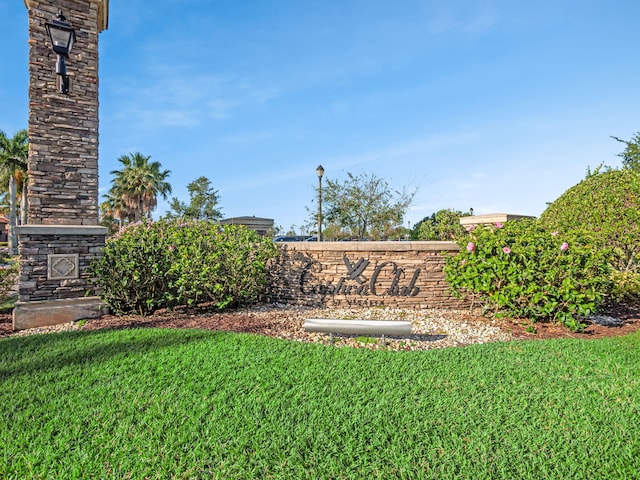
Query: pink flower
498	225
471	247
564	246
470	228
506	250
553	234
172	248
463	262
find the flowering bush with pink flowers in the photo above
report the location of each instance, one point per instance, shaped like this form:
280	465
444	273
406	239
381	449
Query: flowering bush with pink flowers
521	270
165	264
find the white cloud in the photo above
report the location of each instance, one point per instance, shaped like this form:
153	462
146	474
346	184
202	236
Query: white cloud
466	17
248	137
177	101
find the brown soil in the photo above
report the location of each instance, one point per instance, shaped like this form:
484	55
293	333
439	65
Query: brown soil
629	315
274	323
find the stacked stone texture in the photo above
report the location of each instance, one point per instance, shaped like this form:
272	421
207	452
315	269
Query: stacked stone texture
390	274
63	129
62	166
34	283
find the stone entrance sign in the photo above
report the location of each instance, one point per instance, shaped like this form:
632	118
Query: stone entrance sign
362	274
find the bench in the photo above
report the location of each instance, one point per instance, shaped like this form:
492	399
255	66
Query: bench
355	327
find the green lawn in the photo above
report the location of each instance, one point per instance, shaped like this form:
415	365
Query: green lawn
156	403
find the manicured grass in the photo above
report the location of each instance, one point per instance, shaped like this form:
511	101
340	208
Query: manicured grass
193	404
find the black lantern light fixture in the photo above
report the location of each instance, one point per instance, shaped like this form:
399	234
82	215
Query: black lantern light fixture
62	36
320	173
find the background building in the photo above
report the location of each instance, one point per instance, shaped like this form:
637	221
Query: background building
264	226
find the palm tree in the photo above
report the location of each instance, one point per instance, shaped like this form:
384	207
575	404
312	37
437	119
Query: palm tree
115	207
21	177
14	153
136	187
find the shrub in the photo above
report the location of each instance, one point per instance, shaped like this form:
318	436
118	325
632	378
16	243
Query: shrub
442	225
607	204
148	266
522	270
8	273
626	287
224	265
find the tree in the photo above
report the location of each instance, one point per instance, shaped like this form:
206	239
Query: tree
202	205
276	230
365	205
14	153
135	188
442	225
334	232
114	210
21	190
631	154
292	231
108	218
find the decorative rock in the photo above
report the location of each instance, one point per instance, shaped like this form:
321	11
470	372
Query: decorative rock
605	320
365	327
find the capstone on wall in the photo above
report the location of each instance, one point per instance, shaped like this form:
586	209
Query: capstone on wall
362	274
63	129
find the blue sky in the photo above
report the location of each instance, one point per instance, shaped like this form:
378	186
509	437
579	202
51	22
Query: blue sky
498	105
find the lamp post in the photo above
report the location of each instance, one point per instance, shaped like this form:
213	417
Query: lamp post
62	36
320	173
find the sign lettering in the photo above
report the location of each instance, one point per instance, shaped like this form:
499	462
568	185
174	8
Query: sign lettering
356	283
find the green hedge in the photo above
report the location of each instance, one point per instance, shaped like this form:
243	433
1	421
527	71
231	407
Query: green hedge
607	204
9	268
165	264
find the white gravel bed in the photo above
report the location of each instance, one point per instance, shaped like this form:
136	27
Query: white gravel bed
431	328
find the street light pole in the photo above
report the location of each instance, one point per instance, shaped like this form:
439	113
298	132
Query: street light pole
320	173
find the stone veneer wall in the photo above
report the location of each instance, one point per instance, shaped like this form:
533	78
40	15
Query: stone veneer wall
38	244
63	129
354	274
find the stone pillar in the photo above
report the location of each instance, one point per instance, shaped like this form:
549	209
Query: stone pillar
62	234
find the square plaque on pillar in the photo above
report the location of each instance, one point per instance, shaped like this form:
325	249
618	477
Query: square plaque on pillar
62	266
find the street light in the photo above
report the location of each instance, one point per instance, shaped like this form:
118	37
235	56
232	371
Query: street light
62	36
320	173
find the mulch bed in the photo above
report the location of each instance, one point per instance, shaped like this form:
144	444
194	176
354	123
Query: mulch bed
273	323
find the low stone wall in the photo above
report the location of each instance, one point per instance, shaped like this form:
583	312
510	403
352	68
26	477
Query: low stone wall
391	274
55	285
54	261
